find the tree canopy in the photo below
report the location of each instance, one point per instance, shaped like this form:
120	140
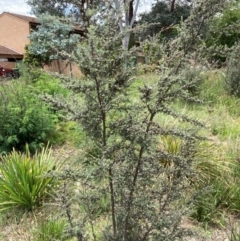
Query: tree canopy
86	12
223	31
165	14
53	39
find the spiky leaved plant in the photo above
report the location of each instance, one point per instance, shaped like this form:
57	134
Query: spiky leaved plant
138	183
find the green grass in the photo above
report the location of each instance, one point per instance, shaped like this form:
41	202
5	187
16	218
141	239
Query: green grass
235	234
50	230
218	157
68	132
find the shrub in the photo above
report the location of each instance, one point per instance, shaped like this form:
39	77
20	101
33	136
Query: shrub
193	75
233	73
47	84
23	119
125	164
223	32
23	181
69	131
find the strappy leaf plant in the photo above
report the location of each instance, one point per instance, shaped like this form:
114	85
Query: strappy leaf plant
24	182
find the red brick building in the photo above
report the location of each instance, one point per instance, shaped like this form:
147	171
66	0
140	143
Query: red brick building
14	32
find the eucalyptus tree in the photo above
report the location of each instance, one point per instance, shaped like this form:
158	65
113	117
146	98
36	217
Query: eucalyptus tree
165	15
51	41
85	12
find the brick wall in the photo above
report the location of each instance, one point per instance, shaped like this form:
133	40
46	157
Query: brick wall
64	68
9	65
14	33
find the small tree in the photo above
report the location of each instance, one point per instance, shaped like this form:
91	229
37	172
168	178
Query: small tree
128	167
52	38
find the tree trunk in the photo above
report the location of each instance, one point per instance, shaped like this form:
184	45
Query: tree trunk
172	5
126	41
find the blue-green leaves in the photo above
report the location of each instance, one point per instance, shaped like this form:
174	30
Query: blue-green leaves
53	39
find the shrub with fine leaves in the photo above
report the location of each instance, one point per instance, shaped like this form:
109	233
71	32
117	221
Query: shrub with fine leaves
142	182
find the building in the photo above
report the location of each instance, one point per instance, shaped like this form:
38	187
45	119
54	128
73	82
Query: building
14	32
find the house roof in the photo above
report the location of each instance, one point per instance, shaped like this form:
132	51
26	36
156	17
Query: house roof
31	19
9	53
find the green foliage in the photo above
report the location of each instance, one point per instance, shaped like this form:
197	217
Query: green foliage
152	52
193	75
23	118
164	17
212	90
33	60
235	234
218	176
233	73
229	17
81	12
223	31
68	131
45	83
52	40
124	161
50	230
42	82
210	204
28	73
234	202
221	195
217	99
23	181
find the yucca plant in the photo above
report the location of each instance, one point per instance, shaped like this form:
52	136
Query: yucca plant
23	179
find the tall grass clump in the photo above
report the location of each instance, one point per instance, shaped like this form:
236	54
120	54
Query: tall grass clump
234	233
23	179
50	230
213	87
218	170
